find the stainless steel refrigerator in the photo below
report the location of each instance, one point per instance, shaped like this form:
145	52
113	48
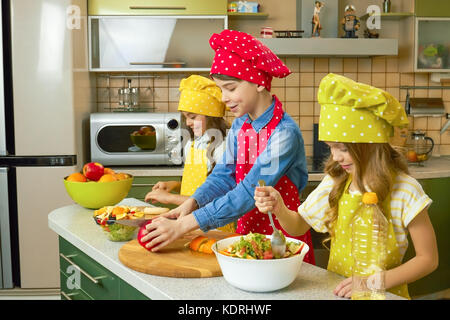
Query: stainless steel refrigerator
40	134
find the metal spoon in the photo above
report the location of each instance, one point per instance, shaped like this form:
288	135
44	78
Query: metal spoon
278	240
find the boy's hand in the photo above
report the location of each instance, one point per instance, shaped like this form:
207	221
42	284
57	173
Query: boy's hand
162	231
268	199
344	289
182	210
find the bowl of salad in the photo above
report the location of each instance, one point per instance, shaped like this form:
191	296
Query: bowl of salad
247	262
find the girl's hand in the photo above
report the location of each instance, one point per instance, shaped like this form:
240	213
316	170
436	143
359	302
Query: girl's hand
166	185
268	199
158	195
344	289
162	231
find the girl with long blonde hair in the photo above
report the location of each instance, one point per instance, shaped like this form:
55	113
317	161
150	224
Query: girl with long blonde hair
356	122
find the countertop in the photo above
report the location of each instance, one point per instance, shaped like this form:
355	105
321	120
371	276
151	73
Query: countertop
75	224
435	167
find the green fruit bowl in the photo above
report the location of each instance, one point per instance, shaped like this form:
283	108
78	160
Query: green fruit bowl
95	195
144	142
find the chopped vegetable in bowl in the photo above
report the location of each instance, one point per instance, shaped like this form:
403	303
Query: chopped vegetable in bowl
106	217
119	232
258	246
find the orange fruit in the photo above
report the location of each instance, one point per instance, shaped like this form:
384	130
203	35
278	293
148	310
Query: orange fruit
370	198
100	211
202	244
77	177
107	178
121	176
411	155
197	242
207	246
118	211
108	171
233	235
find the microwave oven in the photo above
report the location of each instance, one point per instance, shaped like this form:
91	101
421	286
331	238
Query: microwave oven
136	138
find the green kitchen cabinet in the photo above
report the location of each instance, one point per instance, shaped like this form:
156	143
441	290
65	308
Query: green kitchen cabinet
82	278
142	185
432	44
72	292
432	8
157	7
439	212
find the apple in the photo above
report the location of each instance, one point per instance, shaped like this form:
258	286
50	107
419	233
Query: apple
141	234
144	130
93	171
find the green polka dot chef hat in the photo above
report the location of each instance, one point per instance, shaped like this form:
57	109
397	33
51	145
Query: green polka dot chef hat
202	96
354	112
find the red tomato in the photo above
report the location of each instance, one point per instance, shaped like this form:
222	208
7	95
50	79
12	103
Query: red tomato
268	254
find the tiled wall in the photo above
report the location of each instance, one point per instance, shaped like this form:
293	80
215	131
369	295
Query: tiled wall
298	92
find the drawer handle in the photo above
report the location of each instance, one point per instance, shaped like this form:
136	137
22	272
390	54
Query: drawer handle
144	185
93	279
67	296
155	8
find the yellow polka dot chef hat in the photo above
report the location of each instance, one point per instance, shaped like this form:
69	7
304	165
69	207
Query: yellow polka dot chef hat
354	112
202	96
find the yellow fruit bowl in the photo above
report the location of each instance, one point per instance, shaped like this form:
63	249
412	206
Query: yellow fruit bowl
94	195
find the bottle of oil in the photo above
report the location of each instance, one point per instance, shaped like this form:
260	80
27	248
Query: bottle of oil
387	6
369	237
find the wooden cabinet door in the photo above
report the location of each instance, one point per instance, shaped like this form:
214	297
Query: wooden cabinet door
432	8
157	7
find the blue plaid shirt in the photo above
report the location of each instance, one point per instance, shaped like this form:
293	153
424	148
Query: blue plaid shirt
221	200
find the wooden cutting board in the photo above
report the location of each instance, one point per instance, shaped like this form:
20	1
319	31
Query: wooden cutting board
176	260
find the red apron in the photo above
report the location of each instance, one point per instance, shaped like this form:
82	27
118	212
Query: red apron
250	145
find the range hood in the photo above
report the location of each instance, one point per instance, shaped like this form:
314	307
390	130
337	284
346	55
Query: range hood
425	107
152	43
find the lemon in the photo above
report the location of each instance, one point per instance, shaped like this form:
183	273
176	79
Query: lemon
139	214
121	216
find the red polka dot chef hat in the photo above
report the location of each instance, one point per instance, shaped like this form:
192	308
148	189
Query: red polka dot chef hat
242	56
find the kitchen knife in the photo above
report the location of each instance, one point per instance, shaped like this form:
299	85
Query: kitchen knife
132	222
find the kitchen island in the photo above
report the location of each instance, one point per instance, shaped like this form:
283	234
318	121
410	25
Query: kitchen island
76	227
435	167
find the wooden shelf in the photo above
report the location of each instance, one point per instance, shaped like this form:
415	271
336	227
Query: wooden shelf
332	47
390	15
245	15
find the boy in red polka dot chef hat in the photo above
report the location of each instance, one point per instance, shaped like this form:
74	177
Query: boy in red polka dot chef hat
264	143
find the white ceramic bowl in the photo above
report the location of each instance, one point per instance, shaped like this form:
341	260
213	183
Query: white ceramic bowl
258	275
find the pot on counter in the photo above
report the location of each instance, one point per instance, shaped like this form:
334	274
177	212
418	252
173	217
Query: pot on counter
419	147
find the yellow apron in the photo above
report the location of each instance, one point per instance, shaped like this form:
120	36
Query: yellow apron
341	260
194	174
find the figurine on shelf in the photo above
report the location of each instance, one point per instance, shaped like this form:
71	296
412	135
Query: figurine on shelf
350	22
316	26
371	34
